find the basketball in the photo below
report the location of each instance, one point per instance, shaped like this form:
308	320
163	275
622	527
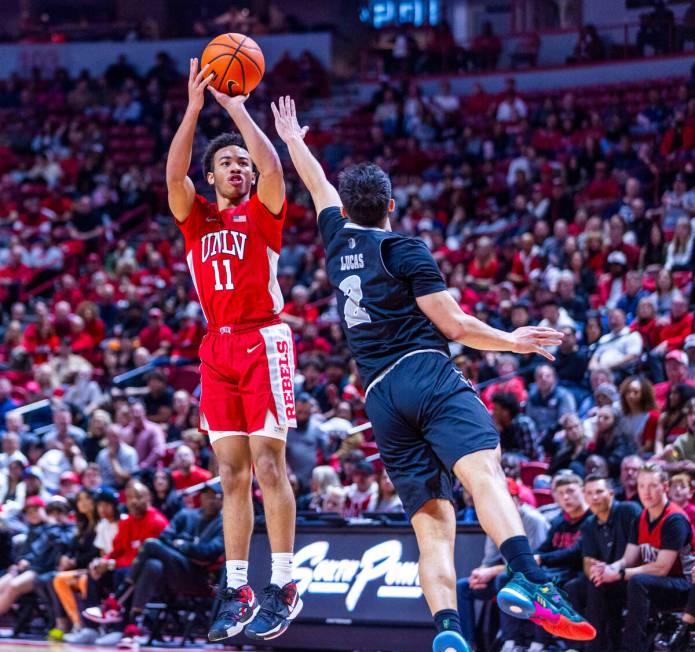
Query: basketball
237	62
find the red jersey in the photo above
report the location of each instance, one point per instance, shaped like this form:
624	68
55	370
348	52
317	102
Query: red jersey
232	256
650	543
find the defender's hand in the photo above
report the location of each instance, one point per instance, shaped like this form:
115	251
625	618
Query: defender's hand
532	339
286	123
197	81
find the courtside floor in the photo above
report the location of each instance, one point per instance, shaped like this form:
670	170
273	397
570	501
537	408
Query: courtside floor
19	645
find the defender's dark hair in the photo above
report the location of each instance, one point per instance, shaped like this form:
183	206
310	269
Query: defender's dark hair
365	191
218	143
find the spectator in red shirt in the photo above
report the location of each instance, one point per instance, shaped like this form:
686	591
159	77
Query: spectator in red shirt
645	323
483	268
298	311
93	325
506	365
680	492
616	242
189	337
312	342
156	337
155	276
155	242
677	327
82	343
676	365
143	522
14	275
187	473
601	191
40	340
525	260
69	291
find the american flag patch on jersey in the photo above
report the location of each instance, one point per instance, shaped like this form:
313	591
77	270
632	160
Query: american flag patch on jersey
239	218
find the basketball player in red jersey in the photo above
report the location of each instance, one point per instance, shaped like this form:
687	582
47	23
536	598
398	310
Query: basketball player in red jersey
247	359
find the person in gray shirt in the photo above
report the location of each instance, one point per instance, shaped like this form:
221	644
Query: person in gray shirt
118	461
304	441
547	401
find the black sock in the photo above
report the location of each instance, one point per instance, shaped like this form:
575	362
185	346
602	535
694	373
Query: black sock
447	620
517	552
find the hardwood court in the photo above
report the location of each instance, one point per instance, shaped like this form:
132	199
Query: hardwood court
16	645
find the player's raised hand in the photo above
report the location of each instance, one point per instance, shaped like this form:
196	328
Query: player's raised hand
197	81
228	102
533	339
286	122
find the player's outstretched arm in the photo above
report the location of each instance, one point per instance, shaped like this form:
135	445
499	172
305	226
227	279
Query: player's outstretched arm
181	191
322	192
456	325
271	183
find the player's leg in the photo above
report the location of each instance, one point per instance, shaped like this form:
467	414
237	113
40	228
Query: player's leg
472	452
281	603
425	489
435	529
222	417
267	379
239	604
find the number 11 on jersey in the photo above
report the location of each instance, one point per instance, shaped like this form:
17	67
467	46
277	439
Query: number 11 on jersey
228	271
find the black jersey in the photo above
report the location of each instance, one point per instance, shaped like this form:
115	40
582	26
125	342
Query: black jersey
377	275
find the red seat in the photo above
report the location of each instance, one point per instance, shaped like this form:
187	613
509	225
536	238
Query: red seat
529	471
187	378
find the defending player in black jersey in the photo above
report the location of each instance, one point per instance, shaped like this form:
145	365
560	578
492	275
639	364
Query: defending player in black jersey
428	421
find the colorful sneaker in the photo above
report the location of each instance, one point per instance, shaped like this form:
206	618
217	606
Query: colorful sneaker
544	605
131	638
55	634
239	607
449	641
108	612
279	607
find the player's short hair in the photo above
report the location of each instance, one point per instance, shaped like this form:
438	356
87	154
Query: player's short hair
365	191
218	143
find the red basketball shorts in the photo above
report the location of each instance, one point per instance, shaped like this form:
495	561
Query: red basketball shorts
247	382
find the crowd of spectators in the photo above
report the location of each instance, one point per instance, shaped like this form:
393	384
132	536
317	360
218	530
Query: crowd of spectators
570	211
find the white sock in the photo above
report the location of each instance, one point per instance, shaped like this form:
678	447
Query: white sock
281	564
237	573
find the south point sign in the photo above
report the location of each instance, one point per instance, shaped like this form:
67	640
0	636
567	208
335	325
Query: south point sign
380	567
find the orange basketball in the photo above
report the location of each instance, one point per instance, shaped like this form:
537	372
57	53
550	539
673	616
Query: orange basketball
237	62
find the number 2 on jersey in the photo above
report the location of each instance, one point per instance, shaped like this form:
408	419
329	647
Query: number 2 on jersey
228	271
354	313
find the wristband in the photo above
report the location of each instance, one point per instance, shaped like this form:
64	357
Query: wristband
622	574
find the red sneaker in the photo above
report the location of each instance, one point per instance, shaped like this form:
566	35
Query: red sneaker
108	613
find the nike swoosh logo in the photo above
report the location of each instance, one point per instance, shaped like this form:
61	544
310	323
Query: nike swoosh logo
253	348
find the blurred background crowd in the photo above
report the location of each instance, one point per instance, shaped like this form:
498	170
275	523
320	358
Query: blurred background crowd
570	208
